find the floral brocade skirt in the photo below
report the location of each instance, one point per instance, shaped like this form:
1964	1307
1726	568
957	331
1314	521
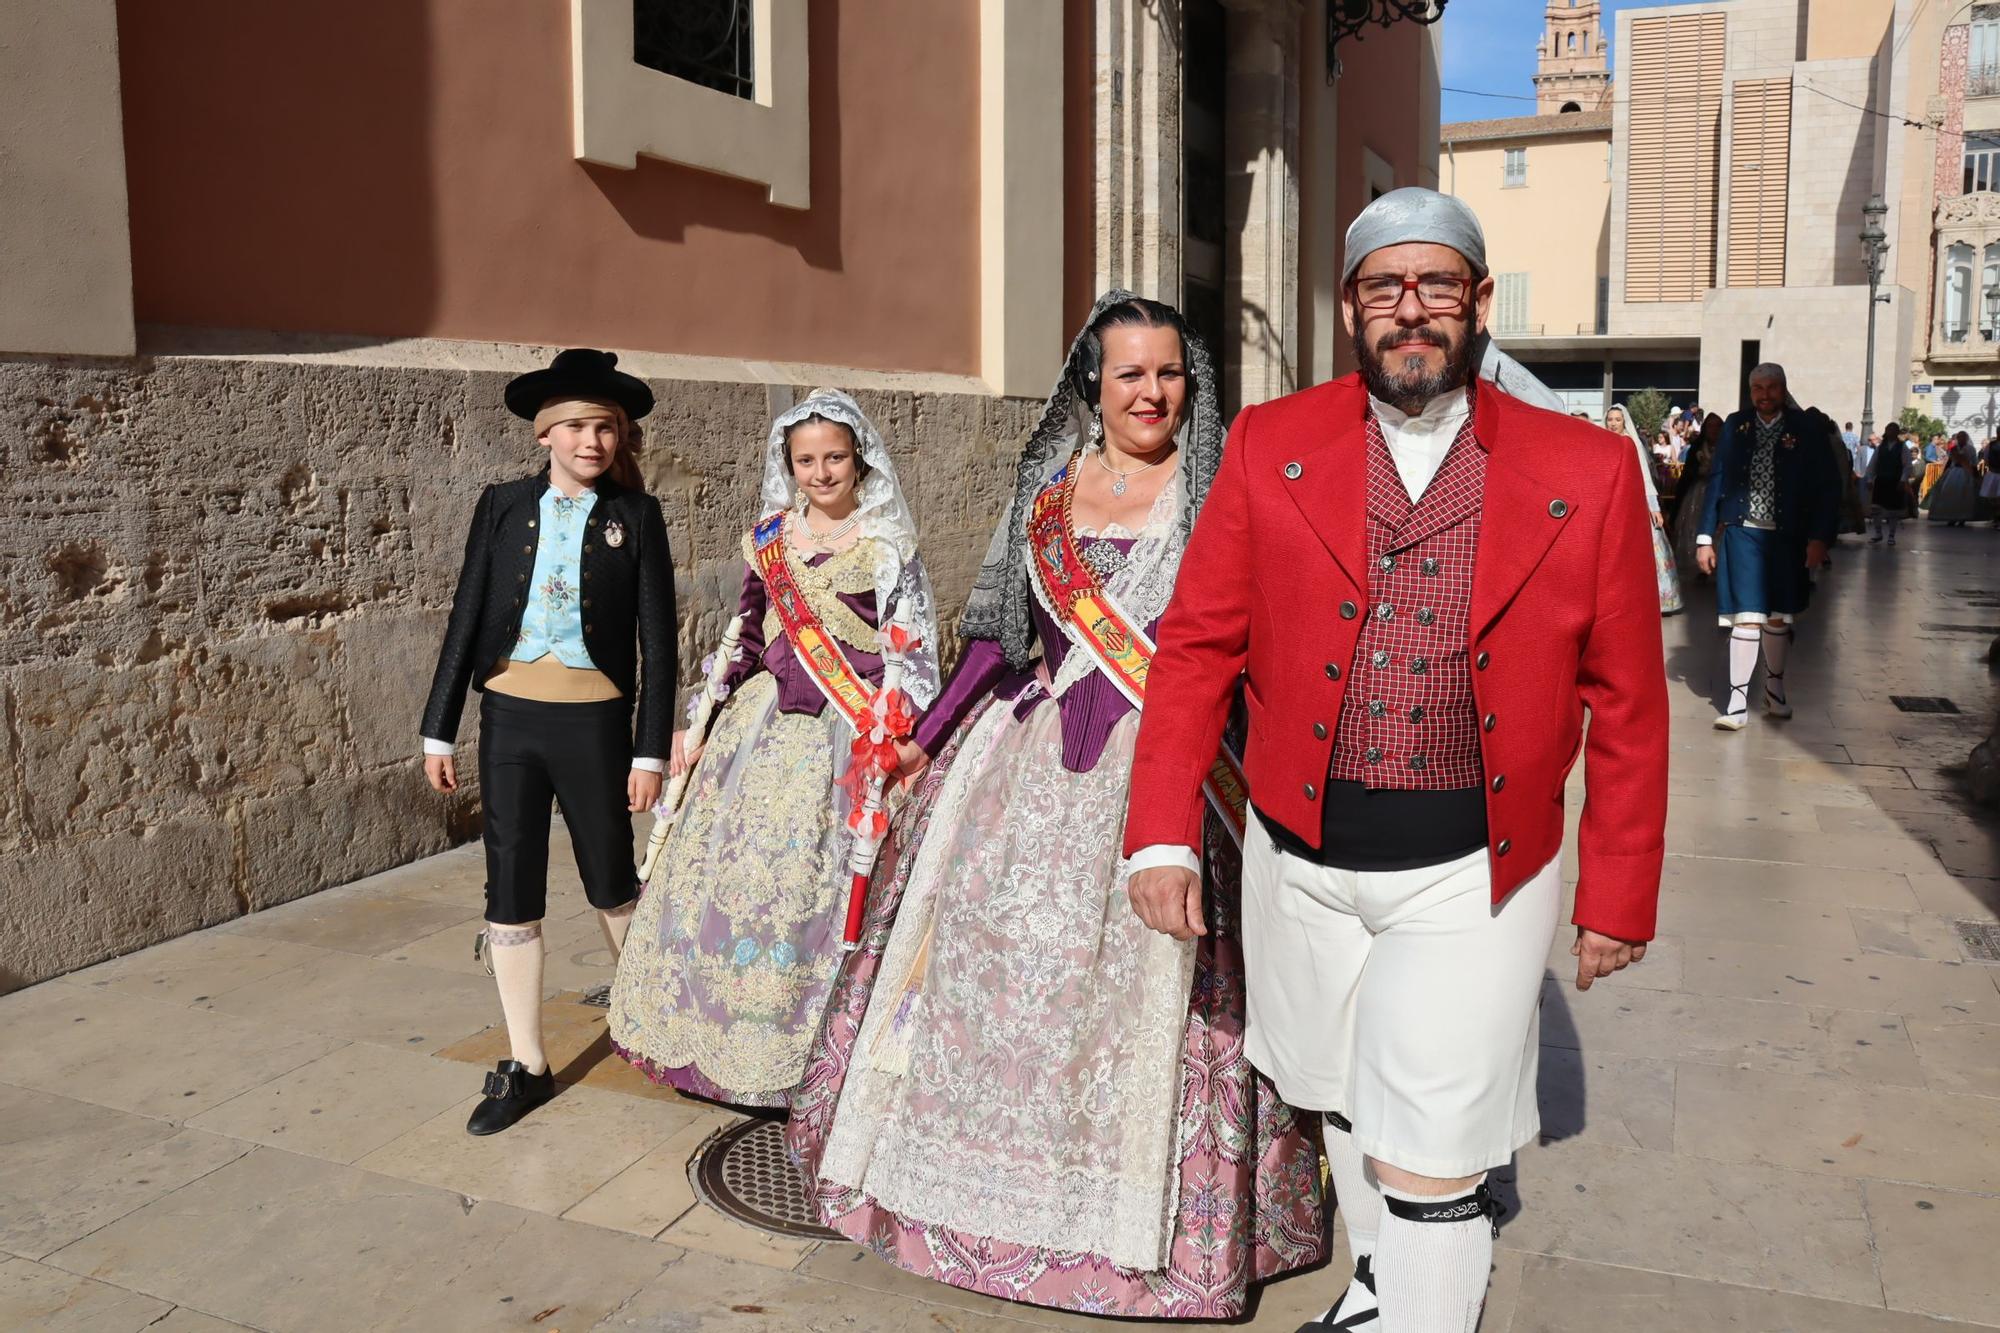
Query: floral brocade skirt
1666	572
736	938
1021	1091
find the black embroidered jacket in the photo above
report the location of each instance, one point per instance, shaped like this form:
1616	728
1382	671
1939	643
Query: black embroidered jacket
627	603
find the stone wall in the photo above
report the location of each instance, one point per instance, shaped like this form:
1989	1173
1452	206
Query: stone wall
222	586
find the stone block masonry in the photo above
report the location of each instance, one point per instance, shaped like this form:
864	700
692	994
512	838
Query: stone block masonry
222	586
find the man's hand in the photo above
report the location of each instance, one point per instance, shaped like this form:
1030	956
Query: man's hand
1815	554
642	788
1168	898
1599	956
1704	559
441	772
1659	519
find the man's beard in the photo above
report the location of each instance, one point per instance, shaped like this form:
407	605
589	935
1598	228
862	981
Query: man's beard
1412	386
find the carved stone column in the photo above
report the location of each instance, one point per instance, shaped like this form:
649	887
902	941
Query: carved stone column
1261	141
1137	50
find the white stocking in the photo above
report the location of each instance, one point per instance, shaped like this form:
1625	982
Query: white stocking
1431	1275
614	924
1359	1202
1742	662
517	966
1777	639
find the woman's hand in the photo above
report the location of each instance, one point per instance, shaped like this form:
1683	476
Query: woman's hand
1659	519
911	761
682	758
642	788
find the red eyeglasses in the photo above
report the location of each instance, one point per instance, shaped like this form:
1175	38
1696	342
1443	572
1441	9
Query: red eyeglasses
1440	293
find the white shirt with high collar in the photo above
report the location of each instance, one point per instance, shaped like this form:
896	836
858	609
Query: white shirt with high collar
1417	444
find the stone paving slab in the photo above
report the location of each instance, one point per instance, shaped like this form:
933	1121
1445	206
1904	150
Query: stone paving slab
1784	1119
283	1242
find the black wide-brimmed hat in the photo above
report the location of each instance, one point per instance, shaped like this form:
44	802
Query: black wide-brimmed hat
579	372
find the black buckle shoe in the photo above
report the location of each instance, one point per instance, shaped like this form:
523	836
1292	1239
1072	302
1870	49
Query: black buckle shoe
511	1092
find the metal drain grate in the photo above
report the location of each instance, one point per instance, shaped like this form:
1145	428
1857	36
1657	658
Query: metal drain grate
1957	629
599	997
1980	940
1923	703
742	1173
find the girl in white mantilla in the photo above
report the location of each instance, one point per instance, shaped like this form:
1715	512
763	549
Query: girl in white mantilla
737	938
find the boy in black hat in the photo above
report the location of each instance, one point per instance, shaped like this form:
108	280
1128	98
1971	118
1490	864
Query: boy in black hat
567	583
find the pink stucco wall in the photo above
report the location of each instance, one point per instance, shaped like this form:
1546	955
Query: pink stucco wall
404	168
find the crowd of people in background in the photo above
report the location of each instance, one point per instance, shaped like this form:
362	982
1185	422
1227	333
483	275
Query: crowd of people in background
1894	476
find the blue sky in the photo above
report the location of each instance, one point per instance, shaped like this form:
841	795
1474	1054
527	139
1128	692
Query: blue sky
1489	47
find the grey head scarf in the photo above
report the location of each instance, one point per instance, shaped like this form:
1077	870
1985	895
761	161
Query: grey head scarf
999	605
1414	214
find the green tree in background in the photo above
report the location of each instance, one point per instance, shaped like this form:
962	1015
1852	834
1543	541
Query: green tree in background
1914	422
1647	408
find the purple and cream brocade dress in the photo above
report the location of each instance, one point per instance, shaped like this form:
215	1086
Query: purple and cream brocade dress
1019	1088
736	938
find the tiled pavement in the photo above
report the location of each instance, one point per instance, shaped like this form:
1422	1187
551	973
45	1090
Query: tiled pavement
1787	1118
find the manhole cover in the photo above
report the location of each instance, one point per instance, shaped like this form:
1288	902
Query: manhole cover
1980	940
743	1174
1923	703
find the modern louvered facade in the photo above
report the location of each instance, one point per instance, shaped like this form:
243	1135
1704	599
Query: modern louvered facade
1744	138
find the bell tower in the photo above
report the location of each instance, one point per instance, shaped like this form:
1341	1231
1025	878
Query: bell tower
1571	74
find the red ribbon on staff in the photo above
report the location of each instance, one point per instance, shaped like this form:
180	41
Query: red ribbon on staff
872	758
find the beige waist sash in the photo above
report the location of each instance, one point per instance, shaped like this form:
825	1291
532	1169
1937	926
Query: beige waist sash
546	680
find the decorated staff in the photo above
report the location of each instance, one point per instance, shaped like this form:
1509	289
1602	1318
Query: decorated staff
735	943
874	755
714	689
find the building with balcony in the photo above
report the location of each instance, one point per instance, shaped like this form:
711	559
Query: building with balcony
1954	75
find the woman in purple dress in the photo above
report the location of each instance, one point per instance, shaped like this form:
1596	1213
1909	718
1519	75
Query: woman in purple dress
1020	1089
736	938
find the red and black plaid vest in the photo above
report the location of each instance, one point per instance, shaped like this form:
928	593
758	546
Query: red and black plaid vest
1408	720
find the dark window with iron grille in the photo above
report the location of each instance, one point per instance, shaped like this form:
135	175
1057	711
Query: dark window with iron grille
703	41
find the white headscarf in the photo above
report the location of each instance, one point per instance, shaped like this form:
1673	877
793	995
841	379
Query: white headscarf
1414	214
1645	455
884	516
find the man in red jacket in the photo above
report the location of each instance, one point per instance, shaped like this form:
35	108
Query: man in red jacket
1423	583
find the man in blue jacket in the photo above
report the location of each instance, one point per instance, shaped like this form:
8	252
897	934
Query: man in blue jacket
1773	512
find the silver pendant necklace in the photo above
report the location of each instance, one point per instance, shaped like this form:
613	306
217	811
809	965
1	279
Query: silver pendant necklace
1118	486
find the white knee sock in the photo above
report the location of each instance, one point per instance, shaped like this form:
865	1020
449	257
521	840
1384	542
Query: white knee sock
1431	1275
614	924
1777	638
517	967
1359	1202
1742	662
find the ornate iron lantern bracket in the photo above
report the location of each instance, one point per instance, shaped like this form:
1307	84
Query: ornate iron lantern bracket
1348	18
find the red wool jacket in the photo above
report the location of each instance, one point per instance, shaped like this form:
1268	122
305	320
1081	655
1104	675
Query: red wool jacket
1565	617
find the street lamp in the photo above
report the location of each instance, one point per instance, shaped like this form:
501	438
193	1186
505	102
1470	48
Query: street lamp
1875	245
